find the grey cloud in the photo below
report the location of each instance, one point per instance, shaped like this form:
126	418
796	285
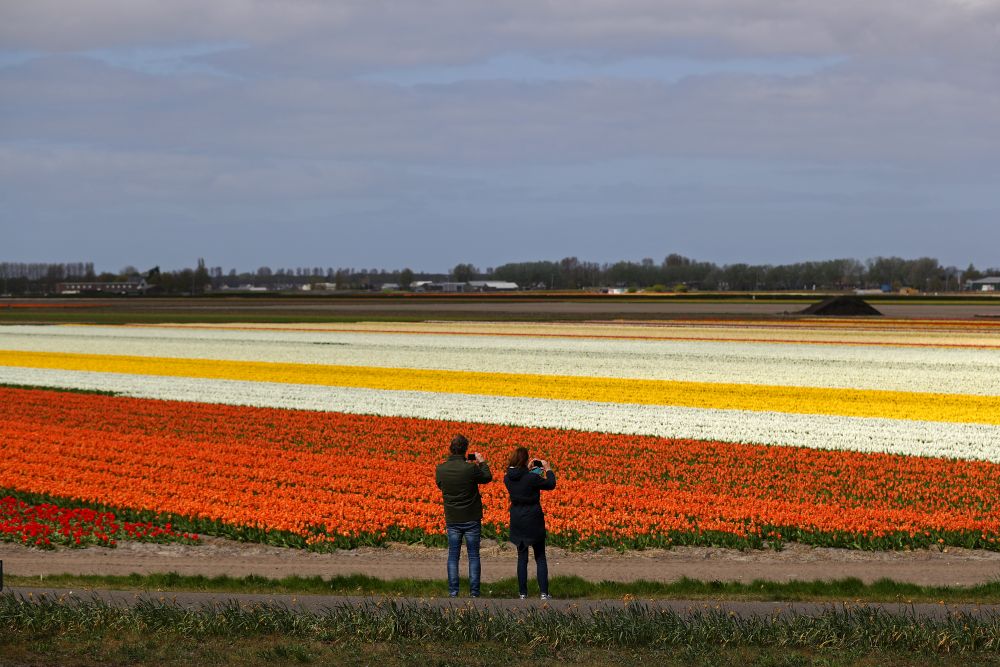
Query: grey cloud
375	33
99	175
839	115
295	154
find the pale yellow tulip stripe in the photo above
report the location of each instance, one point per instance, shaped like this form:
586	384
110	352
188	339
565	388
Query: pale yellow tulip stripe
798	400
957	335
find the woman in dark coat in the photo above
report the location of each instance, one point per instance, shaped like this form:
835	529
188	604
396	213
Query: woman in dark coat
527	521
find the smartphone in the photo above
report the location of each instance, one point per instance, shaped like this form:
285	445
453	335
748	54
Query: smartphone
536	464
471	457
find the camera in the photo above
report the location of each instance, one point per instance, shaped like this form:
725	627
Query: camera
471	457
536	463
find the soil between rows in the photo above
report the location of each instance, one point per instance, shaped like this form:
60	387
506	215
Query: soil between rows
526	307
216	556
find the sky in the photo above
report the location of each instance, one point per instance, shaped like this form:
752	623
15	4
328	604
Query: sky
372	133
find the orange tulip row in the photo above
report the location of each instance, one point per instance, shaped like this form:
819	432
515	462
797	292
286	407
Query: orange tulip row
329	475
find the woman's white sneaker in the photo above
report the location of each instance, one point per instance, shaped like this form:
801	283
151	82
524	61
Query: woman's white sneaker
546	596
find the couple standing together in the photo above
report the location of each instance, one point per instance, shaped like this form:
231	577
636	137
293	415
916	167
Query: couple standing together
459	478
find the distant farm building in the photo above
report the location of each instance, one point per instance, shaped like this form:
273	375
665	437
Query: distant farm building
493	286
125	287
444	287
989	284
471	286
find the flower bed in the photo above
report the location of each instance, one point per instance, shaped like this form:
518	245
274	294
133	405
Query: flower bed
303	478
46	525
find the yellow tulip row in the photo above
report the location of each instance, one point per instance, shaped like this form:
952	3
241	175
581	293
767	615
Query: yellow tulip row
797	400
905	333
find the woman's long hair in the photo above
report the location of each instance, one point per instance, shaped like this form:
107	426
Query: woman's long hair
519	459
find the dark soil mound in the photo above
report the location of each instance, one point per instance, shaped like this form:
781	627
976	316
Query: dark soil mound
841	305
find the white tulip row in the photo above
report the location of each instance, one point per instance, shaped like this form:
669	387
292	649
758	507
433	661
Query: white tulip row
965	441
933	370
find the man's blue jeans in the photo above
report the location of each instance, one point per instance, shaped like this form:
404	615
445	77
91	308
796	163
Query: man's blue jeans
472	531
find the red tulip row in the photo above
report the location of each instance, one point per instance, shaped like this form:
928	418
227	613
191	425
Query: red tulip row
46	525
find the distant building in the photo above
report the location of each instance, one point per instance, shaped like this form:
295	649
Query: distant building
471	286
444	287
493	286
90	287
988	284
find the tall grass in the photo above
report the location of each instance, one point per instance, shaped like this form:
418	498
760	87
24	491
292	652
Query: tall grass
635	626
567	587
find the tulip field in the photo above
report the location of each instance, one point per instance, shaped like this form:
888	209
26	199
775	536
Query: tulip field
874	434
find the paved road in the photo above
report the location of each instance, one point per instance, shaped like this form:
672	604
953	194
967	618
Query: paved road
322	603
796	562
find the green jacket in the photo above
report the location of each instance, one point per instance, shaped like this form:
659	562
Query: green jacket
459	483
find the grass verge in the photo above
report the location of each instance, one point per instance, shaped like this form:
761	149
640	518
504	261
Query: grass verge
883	590
145	633
167	649
171	649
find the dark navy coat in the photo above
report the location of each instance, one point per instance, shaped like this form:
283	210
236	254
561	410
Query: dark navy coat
527	521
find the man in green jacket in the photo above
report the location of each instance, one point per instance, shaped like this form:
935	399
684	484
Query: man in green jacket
459	478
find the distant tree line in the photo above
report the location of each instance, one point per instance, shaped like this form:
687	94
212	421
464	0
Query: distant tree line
23	277
18	279
674	272
326	277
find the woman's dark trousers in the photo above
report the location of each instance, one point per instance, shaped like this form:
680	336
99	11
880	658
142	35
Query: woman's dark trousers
540	563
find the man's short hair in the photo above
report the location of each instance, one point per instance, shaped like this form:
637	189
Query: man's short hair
459	445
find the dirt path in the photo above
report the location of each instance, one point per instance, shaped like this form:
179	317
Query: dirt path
954	567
